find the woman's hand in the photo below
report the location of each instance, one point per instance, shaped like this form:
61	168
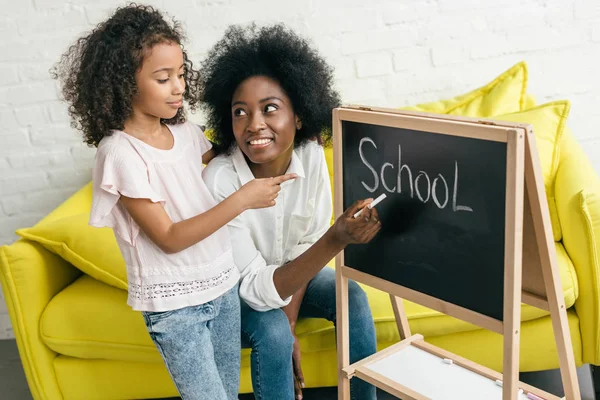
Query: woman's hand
363	229
298	375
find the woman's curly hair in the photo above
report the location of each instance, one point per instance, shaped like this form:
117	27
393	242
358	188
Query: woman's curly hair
97	73
278	53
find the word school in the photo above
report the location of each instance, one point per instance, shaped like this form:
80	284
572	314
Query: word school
415	186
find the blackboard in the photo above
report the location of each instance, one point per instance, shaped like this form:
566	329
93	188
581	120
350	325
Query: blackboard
443	231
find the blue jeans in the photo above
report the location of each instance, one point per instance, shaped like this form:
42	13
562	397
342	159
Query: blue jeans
200	346
269	336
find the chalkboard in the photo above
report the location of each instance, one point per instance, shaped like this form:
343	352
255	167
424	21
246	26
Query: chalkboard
443	221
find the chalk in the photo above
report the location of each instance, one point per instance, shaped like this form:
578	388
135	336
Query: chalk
533	396
371	205
499	382
448	361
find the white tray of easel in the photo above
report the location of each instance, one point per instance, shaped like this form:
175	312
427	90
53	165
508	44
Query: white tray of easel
414	369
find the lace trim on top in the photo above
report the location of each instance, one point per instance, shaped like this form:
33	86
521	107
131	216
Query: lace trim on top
168	290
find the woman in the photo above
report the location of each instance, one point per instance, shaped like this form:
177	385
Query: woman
268	96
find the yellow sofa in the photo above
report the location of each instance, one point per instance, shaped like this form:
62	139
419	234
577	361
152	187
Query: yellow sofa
64	282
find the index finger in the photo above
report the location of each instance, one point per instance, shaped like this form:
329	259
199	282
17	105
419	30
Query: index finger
278	180
357	206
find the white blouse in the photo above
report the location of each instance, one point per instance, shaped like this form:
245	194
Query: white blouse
130	167
264	239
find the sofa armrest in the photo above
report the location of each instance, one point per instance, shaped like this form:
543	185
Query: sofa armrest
577	193
31	276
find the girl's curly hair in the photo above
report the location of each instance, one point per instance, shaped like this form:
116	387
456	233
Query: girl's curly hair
97	73
278	53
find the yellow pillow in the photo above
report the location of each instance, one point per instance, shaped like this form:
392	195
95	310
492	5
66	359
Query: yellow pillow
549	121
92	250
80	202
505	94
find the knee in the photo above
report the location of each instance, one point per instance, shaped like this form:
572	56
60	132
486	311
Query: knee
358	303
357	298
274	333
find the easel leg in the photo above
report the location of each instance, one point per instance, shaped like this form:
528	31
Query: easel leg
342	329
566	358
510	371
513	264
549	263
401	318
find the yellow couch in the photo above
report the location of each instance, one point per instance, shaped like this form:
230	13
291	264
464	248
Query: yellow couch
64	282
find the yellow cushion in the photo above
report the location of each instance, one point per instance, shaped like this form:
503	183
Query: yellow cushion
549	121
80	202
505	94
92	250
89	319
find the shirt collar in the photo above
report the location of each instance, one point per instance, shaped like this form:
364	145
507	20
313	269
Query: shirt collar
246	175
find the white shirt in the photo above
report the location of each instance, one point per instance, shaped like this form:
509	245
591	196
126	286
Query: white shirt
158	281
264	239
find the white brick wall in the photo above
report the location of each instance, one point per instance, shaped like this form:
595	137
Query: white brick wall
387	53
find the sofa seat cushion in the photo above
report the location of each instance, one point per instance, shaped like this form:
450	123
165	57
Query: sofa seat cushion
90	319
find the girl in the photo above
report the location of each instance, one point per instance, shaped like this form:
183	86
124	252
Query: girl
126	82
268	95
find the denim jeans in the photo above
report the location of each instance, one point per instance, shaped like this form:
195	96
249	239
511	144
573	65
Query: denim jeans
200	346
269	336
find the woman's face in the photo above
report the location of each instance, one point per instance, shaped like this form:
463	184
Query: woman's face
263	119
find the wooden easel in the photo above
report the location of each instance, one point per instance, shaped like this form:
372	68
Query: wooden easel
531	269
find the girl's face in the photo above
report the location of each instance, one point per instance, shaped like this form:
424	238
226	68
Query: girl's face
263	119
160	82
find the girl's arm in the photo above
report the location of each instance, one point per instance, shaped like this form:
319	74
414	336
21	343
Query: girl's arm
173	237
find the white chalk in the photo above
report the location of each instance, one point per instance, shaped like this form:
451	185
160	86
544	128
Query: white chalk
448	361
499	382
371	204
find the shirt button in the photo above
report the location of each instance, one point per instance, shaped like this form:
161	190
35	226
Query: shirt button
279	239
279	217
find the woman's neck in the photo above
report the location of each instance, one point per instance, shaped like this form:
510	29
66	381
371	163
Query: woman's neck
272	168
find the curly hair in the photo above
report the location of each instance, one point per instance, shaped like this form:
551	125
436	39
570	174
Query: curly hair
97	73
280	54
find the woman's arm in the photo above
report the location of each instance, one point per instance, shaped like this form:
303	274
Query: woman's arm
291	311
293	308
209	155
292	276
